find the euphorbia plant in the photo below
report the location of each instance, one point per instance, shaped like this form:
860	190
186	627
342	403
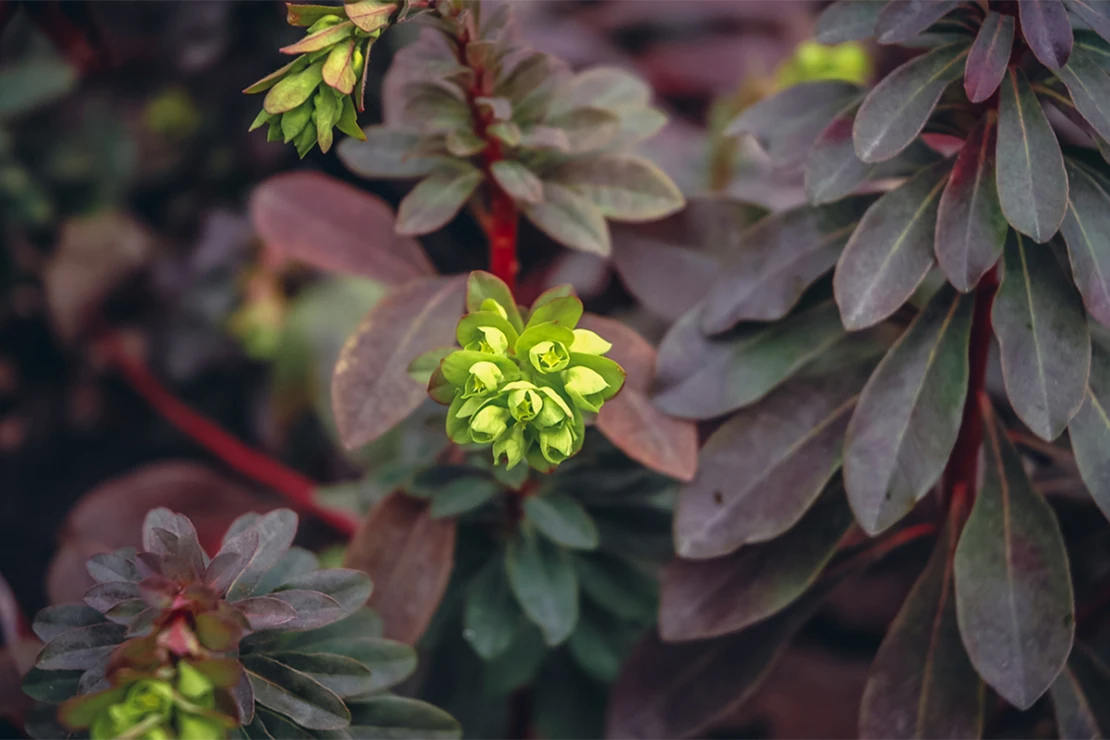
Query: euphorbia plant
872	381
171	643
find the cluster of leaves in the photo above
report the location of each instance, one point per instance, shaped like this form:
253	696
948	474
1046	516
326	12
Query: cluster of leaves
523	387
468	104
172	643
315	93
828	390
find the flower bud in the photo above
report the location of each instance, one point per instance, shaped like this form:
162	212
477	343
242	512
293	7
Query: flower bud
485	378
525	404
555	410
556	443
489	424
511	447
549	357
584	386
493	341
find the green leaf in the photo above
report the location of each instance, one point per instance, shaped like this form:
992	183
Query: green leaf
349	588
890	251
1089	429
339	71
971	230
371	390
1043	338
602	87
400	718
435	108
986	63
570	219
787	124
587	129
562	520
1081	696
722	375
389	662
481	285
895	111
345	676
901	21
464	495
1089	86
293	90
780	257
765	466
709	598
518	181
1047	30
1084	229
518	665
1032	184
34	83
1095	13
598	645
1013	588
847	20
909	413
545	585
617	586
303	699
321	39
491	617
921	683
387	153
621	186
565	311
436	199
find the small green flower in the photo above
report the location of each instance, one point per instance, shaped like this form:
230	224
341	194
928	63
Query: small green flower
144	713
485	378
556	443
493	341
525	403
585	387
511	446
489	424
549	357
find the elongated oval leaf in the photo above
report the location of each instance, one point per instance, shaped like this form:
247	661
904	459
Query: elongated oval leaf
619	587
1081	696
81	647
971	229
901	21
345	676
986	63
371	389
1042	333
54	620
562	520
633	423
303	699
1089	86
847	20
1096	14
545	585
409	557
890	251
401	718
732	372
1032	184
1085	229
491	616
780	257
436	199
895	111
1047	30
620	186
922	683
764	467
570	219
908	414
832	169
1089	429
1013	587
787	124
387	152
518	181
709	598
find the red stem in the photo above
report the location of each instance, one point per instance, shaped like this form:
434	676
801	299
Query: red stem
251	463
961	475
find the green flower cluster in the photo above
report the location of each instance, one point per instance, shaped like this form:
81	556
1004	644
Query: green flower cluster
159	706
524	388
313	94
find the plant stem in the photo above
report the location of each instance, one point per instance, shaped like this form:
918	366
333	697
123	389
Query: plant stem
251	463
961	475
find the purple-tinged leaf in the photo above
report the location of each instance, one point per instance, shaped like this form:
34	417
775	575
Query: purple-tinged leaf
847	20
1095	46
242	696
94	679
303	699
921	683
399	717
621	186
80	648
371	389
142	623
54	620
387	152
909	413
1043	339
787	124
105	596
313	609
832	169
349	588
1089	86
52	687
437	199
389	662
321	39
1013	587
971	229
1032	184
709	598
731	372
345	676
296	562
570	219
229	563
780	257
1081	696
765	466
986	63
1047	30
265	612
275	532
901	21
106	567
890	252
1096	14
1085	231
1089	429
895	111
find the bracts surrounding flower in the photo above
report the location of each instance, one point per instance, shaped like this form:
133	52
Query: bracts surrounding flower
173	644
523	387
